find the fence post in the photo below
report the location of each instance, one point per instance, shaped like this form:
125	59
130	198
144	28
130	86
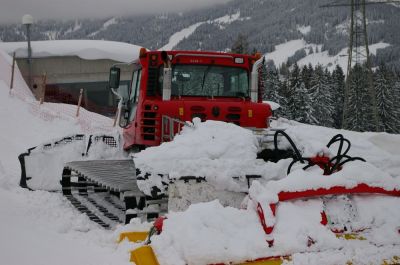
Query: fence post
12	73
79	102
43	86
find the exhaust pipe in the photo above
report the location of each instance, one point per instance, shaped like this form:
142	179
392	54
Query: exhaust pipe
254	80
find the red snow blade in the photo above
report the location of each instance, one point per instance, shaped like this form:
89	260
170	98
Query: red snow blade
336	190
311	193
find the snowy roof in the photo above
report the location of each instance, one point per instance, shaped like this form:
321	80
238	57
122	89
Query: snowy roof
85	49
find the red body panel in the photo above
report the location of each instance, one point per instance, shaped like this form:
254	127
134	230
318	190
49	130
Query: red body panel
145	129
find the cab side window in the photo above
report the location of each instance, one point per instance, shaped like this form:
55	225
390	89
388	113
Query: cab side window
134	93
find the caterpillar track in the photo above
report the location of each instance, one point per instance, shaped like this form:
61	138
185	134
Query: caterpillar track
107	192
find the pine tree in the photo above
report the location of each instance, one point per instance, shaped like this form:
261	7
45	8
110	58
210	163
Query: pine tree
306	73
359	111
396	93
299	102
338	85
273	90
385	92
286	95
321	97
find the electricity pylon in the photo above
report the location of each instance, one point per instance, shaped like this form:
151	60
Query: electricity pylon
358	53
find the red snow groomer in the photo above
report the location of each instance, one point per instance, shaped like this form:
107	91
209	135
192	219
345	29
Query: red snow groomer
171	87
167	89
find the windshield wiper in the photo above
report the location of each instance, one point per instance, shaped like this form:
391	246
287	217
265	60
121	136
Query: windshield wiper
204	76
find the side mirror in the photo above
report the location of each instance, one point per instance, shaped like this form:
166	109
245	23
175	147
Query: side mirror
113	81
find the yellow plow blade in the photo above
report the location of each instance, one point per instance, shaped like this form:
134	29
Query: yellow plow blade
145	256
134	237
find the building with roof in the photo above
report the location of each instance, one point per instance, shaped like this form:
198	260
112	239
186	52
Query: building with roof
60	69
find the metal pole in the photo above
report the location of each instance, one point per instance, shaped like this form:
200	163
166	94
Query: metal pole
79	102
371	88
12	73
28	34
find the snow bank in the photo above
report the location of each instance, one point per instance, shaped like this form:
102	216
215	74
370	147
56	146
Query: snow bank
379	149
211	148
85	49
210	139
231	235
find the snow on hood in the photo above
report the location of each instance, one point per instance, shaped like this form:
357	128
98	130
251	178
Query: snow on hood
209	139
85	49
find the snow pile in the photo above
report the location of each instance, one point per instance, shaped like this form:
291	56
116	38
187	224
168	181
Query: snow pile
208	149
231	235
210	140
379	149
85	49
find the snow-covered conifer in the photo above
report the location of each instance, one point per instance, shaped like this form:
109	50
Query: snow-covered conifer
338	86
386	100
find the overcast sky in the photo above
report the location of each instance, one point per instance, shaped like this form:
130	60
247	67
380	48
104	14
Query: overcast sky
11	11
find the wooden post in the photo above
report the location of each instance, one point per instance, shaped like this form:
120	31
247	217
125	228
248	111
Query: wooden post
12	73
79	102
43	87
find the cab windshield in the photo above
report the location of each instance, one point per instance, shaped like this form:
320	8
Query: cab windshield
210	81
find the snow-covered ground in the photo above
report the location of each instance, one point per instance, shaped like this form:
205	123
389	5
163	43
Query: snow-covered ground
340	59
40	227
285	50
186	32
105	26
